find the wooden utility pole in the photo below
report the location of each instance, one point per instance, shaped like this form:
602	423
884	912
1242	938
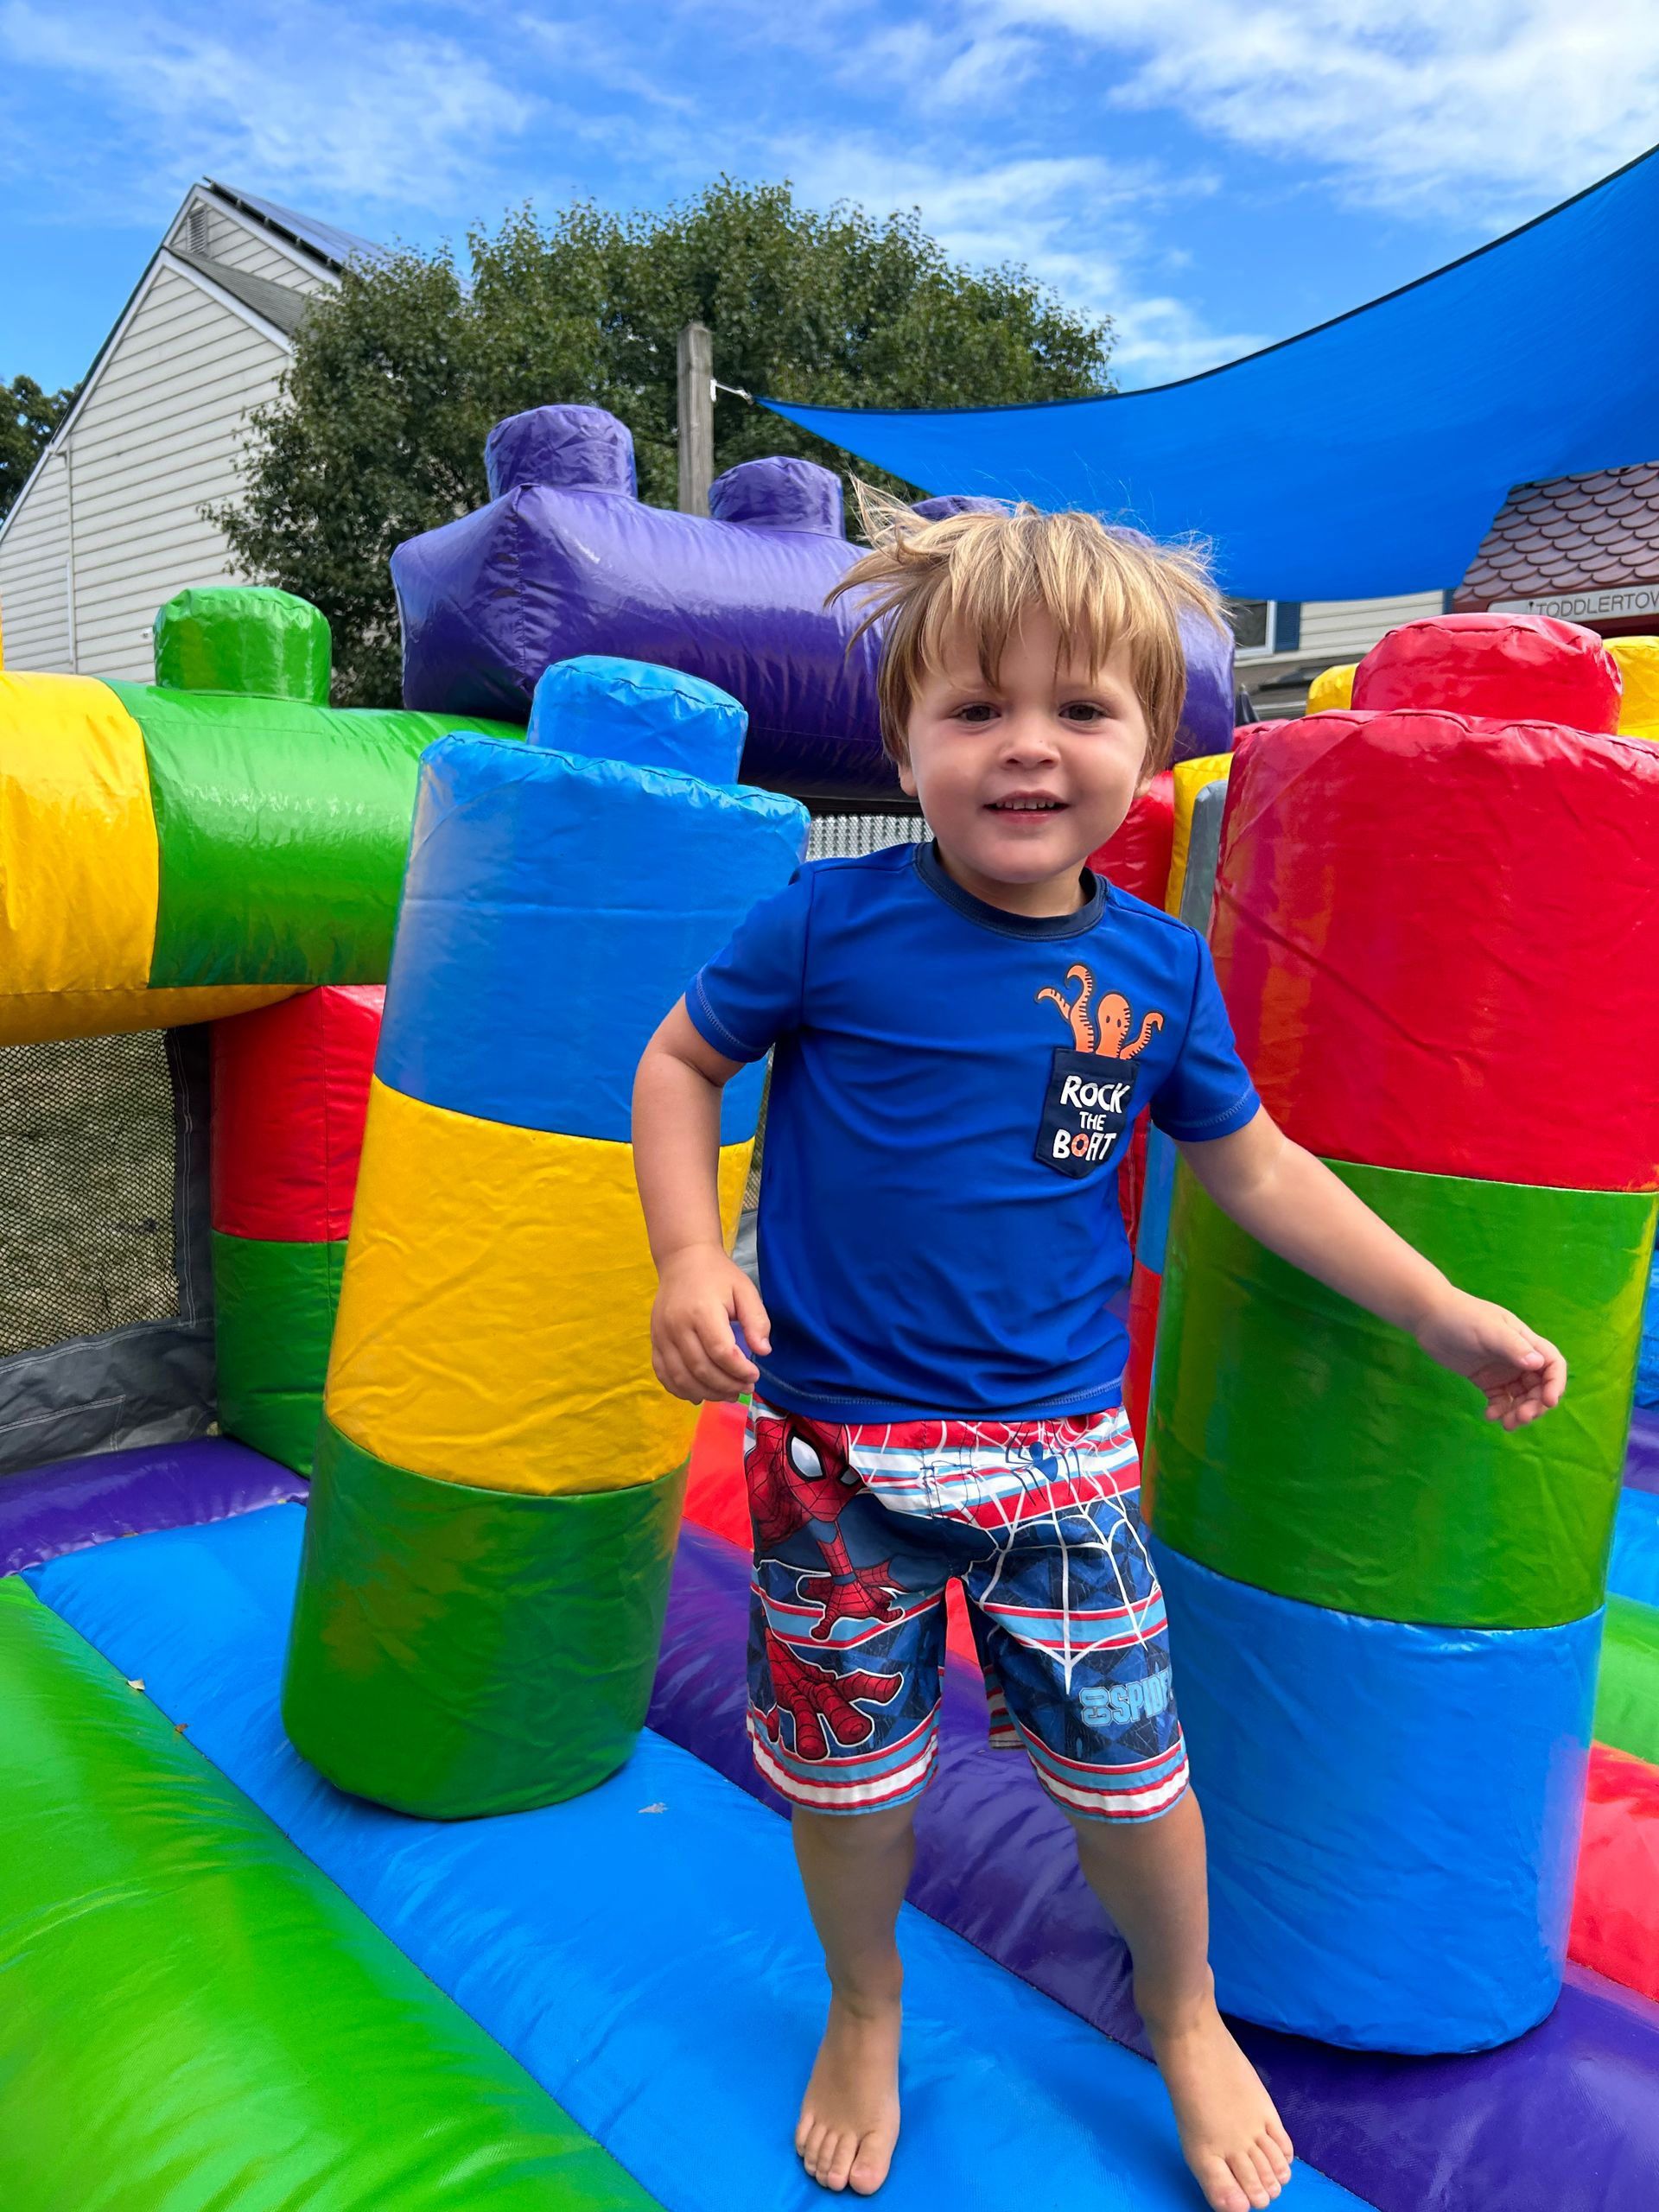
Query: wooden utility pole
696	418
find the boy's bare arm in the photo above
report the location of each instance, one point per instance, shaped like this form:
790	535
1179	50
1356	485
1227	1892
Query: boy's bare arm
1292	1204
701	1290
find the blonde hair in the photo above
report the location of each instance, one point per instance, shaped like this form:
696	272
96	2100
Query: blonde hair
976	573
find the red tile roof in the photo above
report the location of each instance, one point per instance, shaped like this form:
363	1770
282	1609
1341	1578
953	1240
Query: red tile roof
1569	534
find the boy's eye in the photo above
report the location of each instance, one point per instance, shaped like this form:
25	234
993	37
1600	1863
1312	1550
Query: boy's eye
1085	710
976	711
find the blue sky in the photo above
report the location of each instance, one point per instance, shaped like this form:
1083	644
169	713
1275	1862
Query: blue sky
1214	173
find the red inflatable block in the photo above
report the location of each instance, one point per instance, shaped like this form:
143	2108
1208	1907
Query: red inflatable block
1136	856
715	1496
290	1094
1146	1296
1616	1906
1439	942
1501	667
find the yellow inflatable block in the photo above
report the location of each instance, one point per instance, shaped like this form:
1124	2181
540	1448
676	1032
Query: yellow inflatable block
41	1020
77	855
1638	665
1332	687
494	1318
1191	777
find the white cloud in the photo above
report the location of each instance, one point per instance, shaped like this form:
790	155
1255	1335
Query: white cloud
1078	221
305	97
1481	111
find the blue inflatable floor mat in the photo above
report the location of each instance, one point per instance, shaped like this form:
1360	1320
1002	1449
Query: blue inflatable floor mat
643	1951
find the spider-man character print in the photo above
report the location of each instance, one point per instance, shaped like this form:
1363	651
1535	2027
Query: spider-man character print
858	1531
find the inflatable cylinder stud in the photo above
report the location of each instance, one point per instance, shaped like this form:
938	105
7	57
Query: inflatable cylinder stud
1439	945
179	851
499	1476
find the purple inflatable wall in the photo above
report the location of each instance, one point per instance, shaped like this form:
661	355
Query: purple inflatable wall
566	560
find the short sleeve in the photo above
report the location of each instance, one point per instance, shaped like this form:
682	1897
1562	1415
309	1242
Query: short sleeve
1208	1092
749	995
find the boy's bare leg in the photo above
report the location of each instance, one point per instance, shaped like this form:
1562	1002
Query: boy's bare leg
856	1868
1150	1876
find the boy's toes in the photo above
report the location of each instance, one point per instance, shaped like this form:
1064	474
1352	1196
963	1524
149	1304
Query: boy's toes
1252	2187
869	2169
836	2162
815	2155
1264	2172
1274	2151
1220	2186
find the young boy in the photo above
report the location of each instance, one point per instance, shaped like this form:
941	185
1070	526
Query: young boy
963	1032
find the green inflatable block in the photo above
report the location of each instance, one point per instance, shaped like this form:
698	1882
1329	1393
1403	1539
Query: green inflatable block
194	2017
457	1651
1300	1445
283	828
273	1307
243	637
1627	1689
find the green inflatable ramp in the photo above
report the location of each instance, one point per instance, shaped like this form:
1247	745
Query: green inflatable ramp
191	2017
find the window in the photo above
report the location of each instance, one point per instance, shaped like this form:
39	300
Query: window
1265	625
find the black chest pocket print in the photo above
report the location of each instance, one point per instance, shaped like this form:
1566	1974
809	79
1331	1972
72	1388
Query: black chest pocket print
1089	1107
1091	1100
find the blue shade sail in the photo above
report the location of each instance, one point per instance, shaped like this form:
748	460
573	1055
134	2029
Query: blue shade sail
1365	457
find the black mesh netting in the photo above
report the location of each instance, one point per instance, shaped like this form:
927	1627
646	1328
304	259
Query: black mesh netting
86	1147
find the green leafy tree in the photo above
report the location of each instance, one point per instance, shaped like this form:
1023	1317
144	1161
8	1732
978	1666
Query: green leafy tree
28	418
379	430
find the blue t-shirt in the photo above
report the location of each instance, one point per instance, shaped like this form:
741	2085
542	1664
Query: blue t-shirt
951	1089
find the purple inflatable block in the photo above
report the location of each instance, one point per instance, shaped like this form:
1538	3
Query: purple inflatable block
1641	1457
1565	2120
565	560
79	1503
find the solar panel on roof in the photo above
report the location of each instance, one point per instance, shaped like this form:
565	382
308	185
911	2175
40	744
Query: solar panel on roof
326	238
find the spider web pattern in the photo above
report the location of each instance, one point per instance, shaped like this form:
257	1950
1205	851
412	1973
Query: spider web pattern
1065	1481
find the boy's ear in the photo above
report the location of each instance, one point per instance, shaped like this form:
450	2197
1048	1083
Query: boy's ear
906	778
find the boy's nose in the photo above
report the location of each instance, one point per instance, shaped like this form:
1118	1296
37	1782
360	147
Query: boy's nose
1028	737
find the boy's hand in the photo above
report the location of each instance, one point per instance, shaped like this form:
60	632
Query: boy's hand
700	1293
1521	1373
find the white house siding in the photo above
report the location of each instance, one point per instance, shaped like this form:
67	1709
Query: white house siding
35	576
1335	630
159	434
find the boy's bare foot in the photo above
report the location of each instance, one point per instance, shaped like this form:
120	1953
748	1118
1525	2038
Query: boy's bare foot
849	2115
1233	2139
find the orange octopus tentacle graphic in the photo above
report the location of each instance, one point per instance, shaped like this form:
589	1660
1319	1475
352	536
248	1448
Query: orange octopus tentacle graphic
1104	1030
1076	1010
1115	1028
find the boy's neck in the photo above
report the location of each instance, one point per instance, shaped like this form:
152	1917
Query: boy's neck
1051	895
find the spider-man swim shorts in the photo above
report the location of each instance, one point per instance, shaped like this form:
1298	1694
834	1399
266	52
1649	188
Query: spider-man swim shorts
858	1531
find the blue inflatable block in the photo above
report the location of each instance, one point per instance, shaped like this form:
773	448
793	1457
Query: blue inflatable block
644	1951
554	909
1151	1236
1393	1812
632	710
1647	1373
1633	1570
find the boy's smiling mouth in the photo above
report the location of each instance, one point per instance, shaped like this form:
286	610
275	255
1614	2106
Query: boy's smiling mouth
1026	803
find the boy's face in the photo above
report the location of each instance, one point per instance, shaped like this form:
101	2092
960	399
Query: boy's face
1022	779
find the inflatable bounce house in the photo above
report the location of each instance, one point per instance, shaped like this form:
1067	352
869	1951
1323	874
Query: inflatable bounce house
378	1826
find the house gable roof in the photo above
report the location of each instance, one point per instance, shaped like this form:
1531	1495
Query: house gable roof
274	308
280	305
1568	534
